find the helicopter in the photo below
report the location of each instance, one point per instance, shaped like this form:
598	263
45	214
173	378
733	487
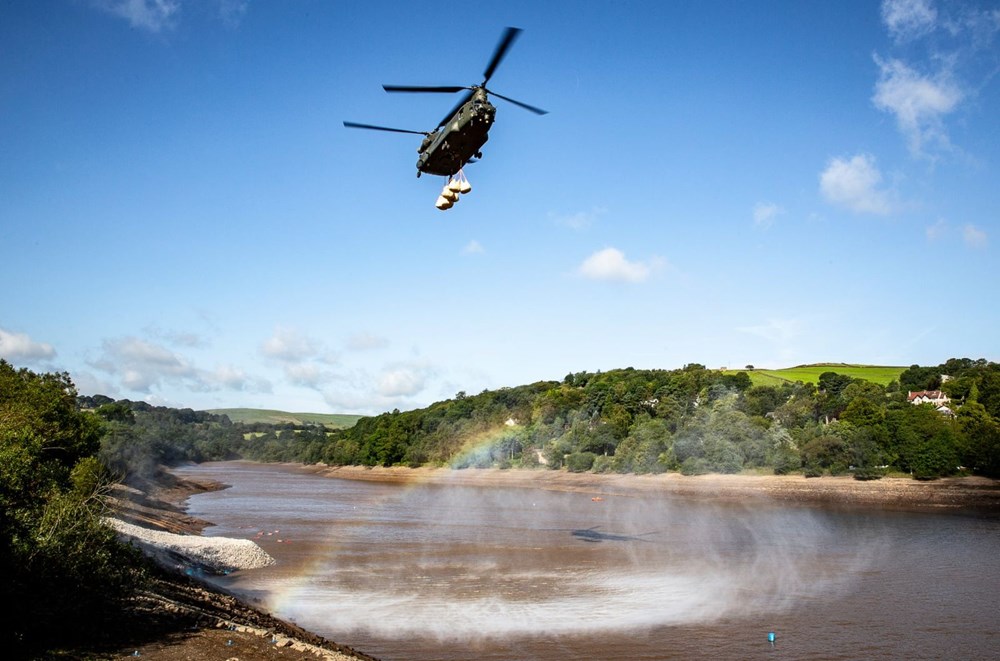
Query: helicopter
459	138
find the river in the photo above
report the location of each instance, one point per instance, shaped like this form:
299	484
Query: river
437	571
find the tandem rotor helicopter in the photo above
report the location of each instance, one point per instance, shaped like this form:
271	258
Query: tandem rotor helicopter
460	136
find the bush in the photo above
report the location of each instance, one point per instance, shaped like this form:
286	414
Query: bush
694	466
580	462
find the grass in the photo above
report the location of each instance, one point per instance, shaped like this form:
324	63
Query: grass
250	416
881	374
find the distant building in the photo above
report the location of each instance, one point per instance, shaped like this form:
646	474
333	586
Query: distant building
935	397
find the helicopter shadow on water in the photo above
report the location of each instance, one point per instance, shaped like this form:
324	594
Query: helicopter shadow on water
593	535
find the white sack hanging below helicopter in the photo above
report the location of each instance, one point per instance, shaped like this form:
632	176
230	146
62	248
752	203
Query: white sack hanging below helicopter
459	138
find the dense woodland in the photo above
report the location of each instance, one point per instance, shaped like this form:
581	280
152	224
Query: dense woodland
691	420
59	452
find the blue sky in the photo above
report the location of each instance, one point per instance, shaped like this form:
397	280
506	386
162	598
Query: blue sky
185	220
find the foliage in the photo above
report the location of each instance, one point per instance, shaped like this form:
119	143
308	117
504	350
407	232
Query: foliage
60	563
845	419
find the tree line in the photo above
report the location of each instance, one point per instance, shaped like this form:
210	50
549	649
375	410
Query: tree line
691	420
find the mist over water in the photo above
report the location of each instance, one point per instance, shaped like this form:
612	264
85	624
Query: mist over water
368	564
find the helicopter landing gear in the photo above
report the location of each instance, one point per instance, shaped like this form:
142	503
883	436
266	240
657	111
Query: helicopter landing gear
457	185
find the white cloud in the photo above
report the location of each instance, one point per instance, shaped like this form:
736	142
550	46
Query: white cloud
918	102
288	345
151	15
610	264
140	365
234	378
20	347
308	375
854	185
974	237
908	19
472	247
402	381
764	214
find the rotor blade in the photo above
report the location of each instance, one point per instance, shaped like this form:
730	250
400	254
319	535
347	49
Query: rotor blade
458	105
505	41
355	125
537	111
420	88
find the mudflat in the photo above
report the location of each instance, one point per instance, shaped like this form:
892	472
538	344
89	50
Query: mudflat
946	494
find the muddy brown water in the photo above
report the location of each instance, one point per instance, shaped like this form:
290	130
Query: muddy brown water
434	571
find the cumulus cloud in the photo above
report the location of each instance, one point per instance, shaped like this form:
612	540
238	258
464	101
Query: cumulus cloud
919	102
610	264
854	184
234	378
908	19
974	237
473	247
151	15
401	381
19	347
140	365
764	214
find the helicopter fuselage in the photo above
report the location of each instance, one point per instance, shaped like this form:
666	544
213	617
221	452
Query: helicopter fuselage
446	150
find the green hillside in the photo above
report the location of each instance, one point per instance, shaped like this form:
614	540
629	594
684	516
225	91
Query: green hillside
880	374
250	416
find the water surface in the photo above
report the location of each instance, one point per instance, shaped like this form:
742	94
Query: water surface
425	571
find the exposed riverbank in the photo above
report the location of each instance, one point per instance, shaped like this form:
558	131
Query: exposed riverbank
955	494
181	618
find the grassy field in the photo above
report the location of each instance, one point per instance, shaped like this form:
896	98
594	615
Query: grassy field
880	374
331	420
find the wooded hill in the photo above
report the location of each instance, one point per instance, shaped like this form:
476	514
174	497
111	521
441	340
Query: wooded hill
692	420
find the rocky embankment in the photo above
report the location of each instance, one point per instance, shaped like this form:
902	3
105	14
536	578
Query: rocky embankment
179	617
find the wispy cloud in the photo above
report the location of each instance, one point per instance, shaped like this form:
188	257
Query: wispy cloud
909	19
289	345
919	102
974	237
937	231
854	185
765	213
579	220
943	60
473	247
150	15
303	359
610	264
19	347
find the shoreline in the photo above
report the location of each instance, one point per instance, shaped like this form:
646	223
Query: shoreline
954	494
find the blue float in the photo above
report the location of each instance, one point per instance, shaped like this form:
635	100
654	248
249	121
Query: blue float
770	637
